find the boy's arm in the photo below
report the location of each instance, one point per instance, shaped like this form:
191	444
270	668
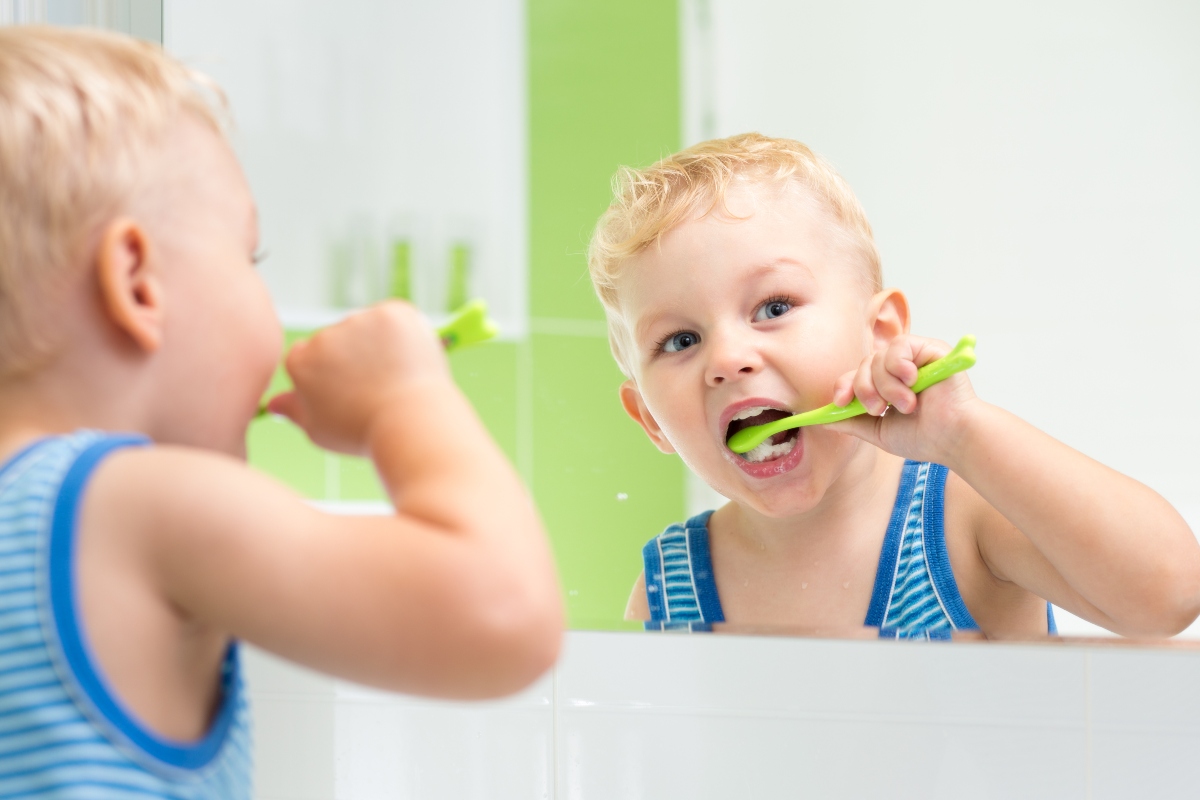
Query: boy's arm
1095	542
1054	521
637	608
455	595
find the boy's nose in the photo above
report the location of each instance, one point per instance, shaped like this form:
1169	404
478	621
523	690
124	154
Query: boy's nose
731	360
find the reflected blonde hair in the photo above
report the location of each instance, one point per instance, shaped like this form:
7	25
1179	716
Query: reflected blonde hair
79	110
649	203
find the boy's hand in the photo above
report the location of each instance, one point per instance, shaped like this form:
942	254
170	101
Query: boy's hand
922	427
349	373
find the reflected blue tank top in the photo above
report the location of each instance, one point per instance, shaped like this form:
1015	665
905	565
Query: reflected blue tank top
915	595
63	732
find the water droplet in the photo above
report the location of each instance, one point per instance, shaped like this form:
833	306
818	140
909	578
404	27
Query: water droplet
846	585
573	592
804	586
622	496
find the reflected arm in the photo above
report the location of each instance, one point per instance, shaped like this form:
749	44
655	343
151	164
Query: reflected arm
1074	531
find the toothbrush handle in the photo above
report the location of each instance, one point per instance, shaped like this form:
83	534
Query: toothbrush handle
962	357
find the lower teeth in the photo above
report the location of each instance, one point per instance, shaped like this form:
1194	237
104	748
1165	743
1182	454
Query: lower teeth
767	451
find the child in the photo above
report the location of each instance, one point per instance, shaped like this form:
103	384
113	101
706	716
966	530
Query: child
130	563
742	285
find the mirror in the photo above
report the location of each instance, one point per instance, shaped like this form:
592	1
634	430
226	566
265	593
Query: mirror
1030	174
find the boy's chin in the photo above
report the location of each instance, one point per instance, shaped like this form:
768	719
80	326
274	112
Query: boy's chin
780	503
777	501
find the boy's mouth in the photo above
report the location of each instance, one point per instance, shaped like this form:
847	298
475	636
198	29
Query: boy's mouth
773	448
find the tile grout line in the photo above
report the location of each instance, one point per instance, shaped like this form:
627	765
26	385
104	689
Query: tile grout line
525	410
1087	723
556	781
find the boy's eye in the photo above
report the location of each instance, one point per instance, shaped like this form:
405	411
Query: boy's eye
680	341
772	309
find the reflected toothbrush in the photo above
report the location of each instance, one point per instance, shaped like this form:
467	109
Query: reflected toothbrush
962	357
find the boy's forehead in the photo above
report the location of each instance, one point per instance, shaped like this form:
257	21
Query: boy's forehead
756	232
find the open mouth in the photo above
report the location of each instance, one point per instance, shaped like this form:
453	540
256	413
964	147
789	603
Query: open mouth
773	448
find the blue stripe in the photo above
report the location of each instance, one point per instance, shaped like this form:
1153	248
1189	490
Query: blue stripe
109	786
891	547
935	551
18	456
656	595
702	571
91	738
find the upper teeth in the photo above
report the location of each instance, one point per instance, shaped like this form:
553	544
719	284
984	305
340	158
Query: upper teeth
753	411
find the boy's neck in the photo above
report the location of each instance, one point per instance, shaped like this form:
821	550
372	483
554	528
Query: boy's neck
59	399
868	482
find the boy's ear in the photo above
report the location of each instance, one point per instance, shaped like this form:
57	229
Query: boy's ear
130	286
888	317
631	399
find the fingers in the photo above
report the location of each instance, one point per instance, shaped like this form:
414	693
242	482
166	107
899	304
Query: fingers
294	359
843	389
285	404
883	378
892	372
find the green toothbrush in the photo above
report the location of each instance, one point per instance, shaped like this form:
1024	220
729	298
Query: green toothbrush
962	357
470	325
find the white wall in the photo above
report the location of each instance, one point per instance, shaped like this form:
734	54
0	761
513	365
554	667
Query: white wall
367	120
1032	173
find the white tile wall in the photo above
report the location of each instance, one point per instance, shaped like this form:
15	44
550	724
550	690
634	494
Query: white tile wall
293	729
391	746
628	716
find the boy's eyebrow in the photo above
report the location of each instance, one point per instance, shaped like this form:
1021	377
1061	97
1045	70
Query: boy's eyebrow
758	271
776	264
644	325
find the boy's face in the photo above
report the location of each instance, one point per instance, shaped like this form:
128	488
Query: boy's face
222	339
728	317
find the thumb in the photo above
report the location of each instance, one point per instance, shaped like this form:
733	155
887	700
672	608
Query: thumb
864	427
286	404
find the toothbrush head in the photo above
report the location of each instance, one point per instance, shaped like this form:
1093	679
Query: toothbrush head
470	325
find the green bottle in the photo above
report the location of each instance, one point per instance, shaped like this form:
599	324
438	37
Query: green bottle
401	270
459	278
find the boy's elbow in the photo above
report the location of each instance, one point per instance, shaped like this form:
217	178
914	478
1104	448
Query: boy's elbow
1174	603
517	638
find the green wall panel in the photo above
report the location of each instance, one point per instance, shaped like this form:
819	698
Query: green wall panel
603	91
487	374
602	487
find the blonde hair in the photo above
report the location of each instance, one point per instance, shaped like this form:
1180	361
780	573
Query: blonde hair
649	203
79	110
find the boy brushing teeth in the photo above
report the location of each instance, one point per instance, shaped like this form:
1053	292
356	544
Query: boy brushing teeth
742	285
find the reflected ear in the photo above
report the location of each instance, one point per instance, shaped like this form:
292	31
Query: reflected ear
634	406
888	317
130	286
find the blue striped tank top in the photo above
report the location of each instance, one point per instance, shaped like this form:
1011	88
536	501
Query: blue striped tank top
63	732
915	595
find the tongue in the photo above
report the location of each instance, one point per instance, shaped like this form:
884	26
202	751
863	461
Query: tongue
770	415
782	436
